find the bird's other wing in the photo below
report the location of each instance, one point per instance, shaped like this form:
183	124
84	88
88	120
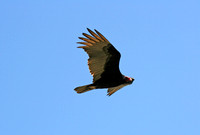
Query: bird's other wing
103	57
114	89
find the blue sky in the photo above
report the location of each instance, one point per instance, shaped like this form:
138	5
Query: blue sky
40	66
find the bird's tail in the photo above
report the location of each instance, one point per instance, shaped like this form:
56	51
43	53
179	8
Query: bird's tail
84	88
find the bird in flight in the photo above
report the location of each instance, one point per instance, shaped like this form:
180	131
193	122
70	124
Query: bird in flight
103	64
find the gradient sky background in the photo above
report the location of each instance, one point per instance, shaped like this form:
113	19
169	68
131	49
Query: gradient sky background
40	66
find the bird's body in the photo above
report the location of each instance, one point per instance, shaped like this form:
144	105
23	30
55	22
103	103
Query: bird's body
103	63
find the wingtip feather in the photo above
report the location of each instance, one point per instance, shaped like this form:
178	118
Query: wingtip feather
86	39
80	46
101	35
84	43
90	37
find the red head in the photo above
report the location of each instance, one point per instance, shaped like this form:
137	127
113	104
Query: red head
128	79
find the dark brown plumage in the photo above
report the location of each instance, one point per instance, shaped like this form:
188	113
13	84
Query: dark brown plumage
103	64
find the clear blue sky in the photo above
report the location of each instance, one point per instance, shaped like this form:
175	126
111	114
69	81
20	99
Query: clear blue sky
40	66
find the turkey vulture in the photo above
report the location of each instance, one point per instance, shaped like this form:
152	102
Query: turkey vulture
103	64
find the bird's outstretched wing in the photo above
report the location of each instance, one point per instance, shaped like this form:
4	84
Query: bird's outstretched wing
103	57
